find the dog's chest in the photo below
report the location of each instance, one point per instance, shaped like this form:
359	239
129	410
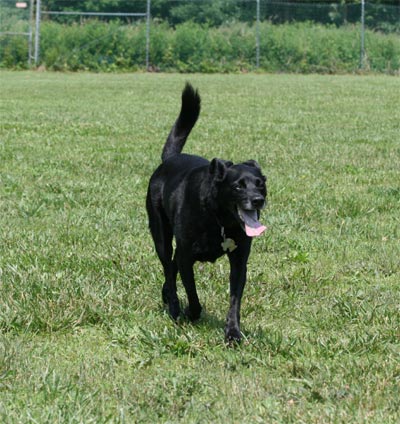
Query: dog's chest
207	247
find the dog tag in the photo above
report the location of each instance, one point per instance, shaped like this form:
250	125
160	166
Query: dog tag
228	245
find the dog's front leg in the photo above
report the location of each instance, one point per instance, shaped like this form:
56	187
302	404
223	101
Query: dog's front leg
238	262
185	267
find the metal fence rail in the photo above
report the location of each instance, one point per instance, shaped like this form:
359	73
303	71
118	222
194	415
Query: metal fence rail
120	14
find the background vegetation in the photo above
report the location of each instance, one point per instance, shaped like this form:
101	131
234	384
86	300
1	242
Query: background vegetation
83	335
209	36
190	47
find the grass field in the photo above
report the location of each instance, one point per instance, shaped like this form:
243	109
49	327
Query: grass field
83	334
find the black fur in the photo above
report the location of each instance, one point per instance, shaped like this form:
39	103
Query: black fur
196	201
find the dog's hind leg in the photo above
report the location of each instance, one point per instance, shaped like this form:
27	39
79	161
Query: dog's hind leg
169	285
185	266
169	294
162	235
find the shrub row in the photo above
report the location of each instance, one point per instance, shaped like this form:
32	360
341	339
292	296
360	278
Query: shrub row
190	47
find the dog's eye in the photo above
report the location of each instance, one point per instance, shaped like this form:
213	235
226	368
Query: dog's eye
259	183
239	185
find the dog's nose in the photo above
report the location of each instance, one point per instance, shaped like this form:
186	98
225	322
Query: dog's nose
257	202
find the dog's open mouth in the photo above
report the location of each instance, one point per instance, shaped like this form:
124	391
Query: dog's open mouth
252	226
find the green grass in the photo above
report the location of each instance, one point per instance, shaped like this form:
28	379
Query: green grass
83	334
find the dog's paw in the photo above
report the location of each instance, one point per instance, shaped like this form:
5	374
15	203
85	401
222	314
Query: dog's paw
193	315
174	309
232	336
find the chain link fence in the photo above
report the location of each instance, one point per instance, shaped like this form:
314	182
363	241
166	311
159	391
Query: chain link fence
256	19
16	20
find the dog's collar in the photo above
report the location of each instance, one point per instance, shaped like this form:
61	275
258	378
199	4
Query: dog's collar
228	244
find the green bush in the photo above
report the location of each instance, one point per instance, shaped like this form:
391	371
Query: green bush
310	48
191	47
13	52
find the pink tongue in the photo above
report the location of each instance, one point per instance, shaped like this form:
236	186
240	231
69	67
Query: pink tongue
254	232
252	226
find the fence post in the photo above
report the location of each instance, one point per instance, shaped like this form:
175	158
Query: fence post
37	31
30	33
148	34
258	35
362	52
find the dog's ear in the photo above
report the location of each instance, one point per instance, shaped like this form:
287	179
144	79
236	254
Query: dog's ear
218	168
252	163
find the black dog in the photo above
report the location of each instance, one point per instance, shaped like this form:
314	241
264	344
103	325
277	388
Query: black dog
210	208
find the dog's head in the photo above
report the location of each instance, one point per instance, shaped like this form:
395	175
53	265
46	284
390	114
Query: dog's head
242	190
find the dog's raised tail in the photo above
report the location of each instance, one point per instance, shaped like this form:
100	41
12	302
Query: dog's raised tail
188	115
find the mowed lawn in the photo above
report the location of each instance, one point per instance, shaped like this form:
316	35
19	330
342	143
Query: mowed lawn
84	337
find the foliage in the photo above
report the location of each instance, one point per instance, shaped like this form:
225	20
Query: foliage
83	335
190	47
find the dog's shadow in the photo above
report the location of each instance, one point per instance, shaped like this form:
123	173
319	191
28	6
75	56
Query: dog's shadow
210	321
206	319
